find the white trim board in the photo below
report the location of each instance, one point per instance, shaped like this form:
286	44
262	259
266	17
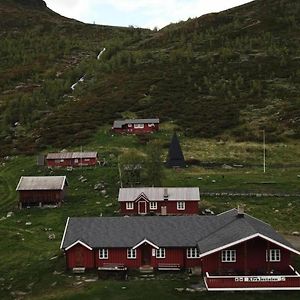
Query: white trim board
254	289
145	241
63	238
81	243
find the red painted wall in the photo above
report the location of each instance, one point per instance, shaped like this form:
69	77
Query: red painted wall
71	162
254	263
191	207
119	256
80	256
133	130
45	197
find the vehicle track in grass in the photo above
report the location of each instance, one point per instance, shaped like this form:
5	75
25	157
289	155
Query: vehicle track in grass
7	190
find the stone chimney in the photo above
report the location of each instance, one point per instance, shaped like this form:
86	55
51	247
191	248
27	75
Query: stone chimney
166	196
240	211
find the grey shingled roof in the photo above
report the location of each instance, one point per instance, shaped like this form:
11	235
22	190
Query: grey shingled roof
120	123
30	183
71	155
157	193
206	232
236	228
168	231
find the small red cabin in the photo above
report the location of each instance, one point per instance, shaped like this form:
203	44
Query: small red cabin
159	201
42	190
136	126
233	250
72	159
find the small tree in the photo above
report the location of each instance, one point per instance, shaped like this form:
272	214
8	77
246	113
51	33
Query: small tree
154	164
130	167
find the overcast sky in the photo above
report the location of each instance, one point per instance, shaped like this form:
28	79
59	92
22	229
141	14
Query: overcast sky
141	13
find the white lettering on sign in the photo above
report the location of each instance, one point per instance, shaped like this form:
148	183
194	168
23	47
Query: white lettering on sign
259	279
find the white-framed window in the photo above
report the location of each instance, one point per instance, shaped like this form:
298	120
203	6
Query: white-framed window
129	125
129	205
131	253
273	255
180	205
76	160
62	160
153	205
138	125
228	256
151	125
160	253
192	253
103	253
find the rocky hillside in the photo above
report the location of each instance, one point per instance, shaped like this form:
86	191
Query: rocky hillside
229	74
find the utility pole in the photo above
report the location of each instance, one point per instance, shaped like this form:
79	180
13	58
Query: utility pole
264	150
120	173
81	158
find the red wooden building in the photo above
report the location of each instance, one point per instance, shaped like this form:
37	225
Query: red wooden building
42	190
159	200
136	126
72	159
234	250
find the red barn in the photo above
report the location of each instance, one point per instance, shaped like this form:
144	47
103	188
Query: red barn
234	250
72	159
136	126
42	190
159	200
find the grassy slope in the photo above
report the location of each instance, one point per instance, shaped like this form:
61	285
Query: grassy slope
232	73
27	266
227	74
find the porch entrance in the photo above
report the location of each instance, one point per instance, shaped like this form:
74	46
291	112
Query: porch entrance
146	252
142	207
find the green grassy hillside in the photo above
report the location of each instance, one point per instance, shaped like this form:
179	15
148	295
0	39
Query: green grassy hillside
229	74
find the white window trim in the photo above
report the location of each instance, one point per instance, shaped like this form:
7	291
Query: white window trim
160	253
192	253
228	256
138	126
180	205
129	205
103	253
274	255
129	125
153	205
131	253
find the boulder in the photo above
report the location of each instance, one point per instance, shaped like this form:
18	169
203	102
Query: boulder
9	214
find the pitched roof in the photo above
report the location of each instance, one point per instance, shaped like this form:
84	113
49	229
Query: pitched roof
168	231
236	229
30	183
207	232
120	123
157	193
72	155
175	155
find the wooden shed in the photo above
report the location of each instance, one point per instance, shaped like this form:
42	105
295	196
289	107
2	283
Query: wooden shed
41	190
72	159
